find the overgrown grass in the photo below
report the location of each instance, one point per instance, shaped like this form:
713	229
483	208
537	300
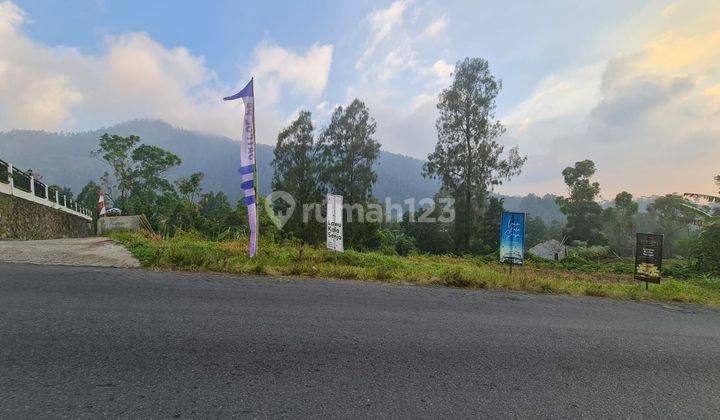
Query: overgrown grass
194	253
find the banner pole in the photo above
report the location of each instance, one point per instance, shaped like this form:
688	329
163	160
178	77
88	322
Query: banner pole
257	171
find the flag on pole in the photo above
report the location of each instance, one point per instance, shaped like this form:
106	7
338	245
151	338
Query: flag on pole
101	202
247	160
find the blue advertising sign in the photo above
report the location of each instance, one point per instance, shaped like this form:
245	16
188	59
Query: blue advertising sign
512	238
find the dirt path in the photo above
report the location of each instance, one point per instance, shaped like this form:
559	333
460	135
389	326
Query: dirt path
97	252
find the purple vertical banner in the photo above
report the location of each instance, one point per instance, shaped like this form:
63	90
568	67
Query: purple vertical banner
247	160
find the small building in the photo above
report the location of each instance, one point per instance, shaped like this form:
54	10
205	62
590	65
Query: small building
550	250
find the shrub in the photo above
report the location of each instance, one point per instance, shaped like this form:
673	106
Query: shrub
591	252
707	249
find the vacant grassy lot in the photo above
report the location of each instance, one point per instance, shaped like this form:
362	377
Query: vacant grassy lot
572	277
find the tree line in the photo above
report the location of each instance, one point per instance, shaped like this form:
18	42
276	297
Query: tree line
468	161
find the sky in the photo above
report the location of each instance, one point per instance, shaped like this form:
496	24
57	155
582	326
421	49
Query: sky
634	86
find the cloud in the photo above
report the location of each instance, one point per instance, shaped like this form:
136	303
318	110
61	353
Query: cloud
566	94
382	22
11	17
400	75
649	116
276	67
436	28
440	72
60	88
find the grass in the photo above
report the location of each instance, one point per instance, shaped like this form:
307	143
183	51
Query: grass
193	253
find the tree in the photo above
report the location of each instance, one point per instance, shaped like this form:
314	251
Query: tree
582	211
62	191
556	231
189	188
620	221
297	171
116	151
349	151
706	197
150	164
140	173
707	216
488	238
88	198
535	231
706	249
430	231
672	213
216	215
467	158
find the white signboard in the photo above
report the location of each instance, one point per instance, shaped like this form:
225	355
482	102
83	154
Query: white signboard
335	222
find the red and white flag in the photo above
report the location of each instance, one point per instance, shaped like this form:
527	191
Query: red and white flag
101	202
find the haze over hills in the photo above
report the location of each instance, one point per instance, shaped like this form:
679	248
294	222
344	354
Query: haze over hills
64	159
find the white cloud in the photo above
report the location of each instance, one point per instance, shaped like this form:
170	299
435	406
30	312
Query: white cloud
436	28
11	17
400	76
382	22
59	88
440	72
571	93
276	67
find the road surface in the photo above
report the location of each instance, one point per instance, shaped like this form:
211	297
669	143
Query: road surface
93	342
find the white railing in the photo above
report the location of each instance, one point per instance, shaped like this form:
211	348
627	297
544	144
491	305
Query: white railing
28	188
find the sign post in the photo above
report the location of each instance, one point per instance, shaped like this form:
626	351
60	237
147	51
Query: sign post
648	257
512	238
334	222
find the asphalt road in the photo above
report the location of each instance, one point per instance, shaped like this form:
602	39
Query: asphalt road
92	342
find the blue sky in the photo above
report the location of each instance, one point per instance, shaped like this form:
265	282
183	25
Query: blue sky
610	80
522	40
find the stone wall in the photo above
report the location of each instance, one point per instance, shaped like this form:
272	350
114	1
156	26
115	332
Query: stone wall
22	219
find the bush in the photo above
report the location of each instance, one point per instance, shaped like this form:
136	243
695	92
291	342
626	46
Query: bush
707	249
591	252
395	243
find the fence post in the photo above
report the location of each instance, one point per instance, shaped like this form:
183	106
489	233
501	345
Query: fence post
11	179
57	198
47	193
64	200
32	185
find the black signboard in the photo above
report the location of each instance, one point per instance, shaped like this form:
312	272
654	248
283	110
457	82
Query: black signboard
648	257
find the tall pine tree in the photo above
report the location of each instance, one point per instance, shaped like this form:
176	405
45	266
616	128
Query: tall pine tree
297	171
468	159
349	152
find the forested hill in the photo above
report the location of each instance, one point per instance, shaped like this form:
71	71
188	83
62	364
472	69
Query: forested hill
64	159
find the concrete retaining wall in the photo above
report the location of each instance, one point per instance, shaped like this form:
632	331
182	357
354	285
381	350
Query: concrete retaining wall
23	219
120	223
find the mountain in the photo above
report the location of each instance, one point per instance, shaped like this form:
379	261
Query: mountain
64	159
